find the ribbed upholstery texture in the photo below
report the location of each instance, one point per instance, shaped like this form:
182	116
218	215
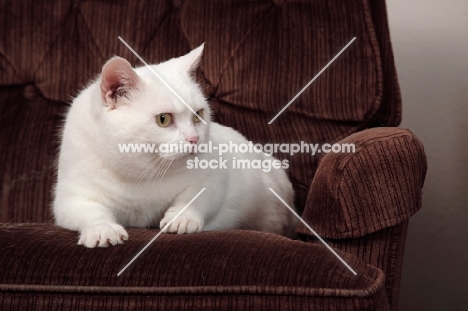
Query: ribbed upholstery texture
354	194
374	190
258	55
302	276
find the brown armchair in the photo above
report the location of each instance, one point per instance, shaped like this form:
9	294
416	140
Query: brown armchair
258	55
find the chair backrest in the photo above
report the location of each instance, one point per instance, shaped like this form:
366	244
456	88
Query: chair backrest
258	56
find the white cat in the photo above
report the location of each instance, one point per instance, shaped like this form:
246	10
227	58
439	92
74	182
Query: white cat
101	190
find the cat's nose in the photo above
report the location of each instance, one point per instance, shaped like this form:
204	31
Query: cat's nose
192	139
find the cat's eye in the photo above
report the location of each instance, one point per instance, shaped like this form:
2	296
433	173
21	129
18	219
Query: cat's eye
197	117
163	119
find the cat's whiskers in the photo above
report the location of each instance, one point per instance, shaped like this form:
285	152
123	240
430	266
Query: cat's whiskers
150	165
158	169
161	169
168	166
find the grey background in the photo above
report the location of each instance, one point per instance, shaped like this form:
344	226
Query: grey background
430	41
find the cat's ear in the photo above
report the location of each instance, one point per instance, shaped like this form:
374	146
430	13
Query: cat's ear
118	79
190	61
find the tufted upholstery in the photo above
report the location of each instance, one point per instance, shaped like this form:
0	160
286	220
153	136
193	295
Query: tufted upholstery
258	55
255	61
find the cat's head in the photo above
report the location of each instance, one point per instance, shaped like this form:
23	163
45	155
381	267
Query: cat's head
140	107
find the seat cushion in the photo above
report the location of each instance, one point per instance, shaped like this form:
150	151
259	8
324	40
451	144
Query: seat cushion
41	265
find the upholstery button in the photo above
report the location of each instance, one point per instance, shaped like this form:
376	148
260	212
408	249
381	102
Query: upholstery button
30	91
76	4
177	3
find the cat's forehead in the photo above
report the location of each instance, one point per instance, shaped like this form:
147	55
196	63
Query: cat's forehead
167	89
157	98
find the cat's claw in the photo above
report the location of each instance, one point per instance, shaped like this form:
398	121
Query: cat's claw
182	224
103	235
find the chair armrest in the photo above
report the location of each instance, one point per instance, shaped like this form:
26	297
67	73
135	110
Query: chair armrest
376	187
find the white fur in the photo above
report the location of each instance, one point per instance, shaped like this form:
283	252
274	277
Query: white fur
100	191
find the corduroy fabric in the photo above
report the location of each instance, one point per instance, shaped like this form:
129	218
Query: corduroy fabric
362	201
383	249
355	194
390	109
28	140
258	55
207	270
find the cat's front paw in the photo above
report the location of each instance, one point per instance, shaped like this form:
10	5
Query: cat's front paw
184	223
102	235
